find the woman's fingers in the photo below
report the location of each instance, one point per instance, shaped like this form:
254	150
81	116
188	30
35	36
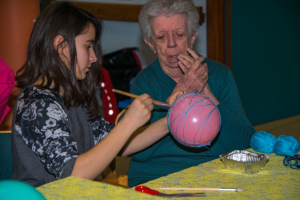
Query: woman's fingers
192	53
183	67
203	70
187	61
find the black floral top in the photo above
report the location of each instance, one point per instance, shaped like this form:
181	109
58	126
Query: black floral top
42	121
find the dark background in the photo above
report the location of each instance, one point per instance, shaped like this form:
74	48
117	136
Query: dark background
265	57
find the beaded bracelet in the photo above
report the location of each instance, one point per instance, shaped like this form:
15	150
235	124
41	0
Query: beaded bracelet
292	161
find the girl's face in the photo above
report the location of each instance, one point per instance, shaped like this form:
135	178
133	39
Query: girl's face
85	52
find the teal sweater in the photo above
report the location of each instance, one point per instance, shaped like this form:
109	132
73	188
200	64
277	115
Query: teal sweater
167	155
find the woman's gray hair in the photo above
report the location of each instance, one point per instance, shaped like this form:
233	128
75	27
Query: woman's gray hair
154	8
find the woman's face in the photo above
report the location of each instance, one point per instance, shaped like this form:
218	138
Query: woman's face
170	37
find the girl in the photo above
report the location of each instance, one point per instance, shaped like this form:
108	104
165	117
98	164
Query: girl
56	131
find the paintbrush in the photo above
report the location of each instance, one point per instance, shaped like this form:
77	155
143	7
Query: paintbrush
208	189
135	96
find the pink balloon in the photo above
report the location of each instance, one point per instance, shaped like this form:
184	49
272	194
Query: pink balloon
194	120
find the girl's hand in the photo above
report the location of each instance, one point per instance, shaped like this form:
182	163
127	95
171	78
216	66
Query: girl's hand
174	96
139	111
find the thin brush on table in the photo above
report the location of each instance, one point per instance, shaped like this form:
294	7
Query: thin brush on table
208	189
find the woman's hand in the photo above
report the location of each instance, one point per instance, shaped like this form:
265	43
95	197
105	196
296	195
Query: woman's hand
139	111
195	75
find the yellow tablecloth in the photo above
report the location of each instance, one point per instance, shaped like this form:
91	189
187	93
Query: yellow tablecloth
275	182
76	188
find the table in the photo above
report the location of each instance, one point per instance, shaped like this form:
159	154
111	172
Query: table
76	188
275	182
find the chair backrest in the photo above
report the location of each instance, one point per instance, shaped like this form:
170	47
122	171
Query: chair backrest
109	101
6	161
121	114
122	65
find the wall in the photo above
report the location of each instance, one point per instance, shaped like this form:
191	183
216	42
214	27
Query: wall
118	35
265	54
16	22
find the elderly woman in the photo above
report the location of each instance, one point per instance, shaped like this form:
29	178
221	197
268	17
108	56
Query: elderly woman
170	28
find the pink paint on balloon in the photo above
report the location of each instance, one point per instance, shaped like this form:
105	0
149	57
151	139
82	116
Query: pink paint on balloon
194	120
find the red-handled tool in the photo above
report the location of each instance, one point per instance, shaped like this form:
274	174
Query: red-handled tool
145	189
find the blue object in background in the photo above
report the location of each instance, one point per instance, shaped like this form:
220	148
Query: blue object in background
124	103
286	146
263	142
18	190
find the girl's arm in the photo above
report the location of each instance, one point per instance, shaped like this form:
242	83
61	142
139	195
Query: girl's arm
146	136
91	163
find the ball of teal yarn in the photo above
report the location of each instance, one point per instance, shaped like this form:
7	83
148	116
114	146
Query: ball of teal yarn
286	146
16	190
263	142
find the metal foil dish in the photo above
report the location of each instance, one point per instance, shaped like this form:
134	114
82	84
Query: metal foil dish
244	161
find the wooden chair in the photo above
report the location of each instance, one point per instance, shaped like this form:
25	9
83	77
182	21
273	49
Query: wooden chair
120	114
110	175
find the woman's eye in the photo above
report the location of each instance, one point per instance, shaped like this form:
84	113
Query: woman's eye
160	37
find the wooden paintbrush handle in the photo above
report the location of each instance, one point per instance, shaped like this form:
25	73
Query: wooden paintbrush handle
135	96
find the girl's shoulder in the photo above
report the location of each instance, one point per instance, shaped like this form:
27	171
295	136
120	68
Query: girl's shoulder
33	93
34	97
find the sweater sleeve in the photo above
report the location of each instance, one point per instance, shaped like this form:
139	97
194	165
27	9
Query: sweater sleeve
42	123
100	129
235	129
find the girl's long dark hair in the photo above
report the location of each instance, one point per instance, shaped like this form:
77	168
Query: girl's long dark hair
43	60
